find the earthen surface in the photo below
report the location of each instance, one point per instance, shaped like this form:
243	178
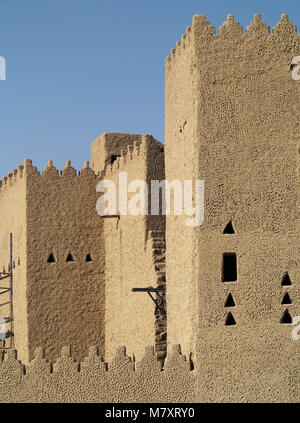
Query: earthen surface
232	120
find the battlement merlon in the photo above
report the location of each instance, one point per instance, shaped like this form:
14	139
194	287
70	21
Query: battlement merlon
27	170
206	42
112	150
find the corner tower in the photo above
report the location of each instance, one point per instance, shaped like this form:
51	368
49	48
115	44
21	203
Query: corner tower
232	120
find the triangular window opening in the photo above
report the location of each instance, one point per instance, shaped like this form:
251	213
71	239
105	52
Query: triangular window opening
286	281
51	258
230	301
286	317
88	258
229	228
70	257
286	299
230	321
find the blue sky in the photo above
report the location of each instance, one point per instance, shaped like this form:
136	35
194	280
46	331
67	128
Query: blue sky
76	69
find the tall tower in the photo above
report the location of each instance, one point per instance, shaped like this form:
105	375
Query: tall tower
134	245
58	259
232	120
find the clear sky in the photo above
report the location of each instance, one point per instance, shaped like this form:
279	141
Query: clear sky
77	68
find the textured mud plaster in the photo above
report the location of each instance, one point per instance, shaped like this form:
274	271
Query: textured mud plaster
121	380
63	300
62	272
107	148
235	93
13	219
130	247
232	120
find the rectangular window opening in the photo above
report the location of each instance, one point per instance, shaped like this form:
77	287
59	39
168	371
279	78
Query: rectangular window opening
229	268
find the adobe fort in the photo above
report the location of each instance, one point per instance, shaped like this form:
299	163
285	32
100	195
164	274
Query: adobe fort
227	290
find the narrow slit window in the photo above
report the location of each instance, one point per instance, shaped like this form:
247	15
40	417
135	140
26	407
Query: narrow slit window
286	318
229	268
229	228
88	258
51	258
230	320
286	299
70	257
286	281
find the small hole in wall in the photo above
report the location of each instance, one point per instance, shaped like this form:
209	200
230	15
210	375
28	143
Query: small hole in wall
286	317
88	258
229	228
286	299
229	268
70	257
114	157
182	127
230	321
14	265
230	301
19	261
192	367
286	281
51	258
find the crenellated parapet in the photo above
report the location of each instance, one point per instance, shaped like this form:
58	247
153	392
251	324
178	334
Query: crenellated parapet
68	171
205	41
120	362
94	380
12	178
181	46
135	154
27	170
